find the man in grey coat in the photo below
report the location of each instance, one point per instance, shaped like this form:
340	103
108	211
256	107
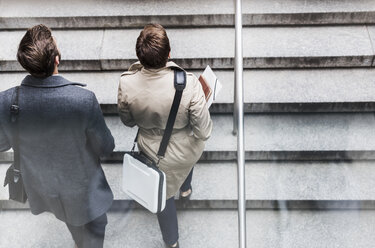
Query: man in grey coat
62	135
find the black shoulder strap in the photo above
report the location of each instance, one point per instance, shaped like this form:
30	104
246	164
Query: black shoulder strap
179	84
14	112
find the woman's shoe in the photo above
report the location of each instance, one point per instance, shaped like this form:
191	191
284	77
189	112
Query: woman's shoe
186	197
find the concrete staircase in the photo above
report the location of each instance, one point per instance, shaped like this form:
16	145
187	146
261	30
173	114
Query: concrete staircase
309	125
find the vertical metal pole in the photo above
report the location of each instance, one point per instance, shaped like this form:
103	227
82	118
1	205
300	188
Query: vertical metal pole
235	109
239	114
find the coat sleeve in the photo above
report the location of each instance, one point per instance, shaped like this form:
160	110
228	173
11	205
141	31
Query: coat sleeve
123	107
200	119
98	134
4	142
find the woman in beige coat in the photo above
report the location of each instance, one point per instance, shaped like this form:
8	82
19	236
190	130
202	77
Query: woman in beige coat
145	96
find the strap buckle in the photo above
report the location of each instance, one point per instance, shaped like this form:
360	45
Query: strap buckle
159	158
133	148
179	80
14	109
16	175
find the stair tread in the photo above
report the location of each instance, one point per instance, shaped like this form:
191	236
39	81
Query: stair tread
264	90
275	181
192	7
201	228
323	136
275	42
267	181
279	132
260	86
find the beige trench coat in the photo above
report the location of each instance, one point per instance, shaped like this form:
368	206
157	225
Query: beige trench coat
145	97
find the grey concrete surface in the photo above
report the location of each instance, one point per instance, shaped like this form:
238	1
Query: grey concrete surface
264	47
278	137
101	7
261	86
111	8
74	45
310	229
269	184
267	181
3	190
303	132
6	156
332	85
258	42
105	84
266	229
190	20
275	181
371	30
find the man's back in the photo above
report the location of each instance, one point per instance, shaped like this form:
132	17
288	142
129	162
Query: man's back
62	136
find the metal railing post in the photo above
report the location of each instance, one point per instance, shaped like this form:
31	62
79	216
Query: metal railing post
235	109
239	126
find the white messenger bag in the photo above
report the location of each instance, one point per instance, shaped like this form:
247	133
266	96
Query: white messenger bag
143	181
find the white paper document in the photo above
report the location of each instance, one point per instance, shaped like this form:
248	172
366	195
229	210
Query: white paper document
211	85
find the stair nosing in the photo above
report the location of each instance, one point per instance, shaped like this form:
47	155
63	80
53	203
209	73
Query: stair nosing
280	107
355	61
275	155
120	205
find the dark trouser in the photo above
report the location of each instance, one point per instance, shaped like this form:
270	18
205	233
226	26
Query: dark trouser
168	217
90	235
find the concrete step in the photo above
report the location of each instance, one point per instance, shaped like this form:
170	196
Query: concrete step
275	47
279	137
276	137
265	229
269	185
127	14
280	181
265	91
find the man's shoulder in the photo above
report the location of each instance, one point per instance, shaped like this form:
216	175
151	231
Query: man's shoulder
129	78
191	79
5	101
129	75
6	95
77	89
190	75
7	91
73	94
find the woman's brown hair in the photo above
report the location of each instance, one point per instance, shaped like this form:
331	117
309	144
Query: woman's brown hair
153	46
37	51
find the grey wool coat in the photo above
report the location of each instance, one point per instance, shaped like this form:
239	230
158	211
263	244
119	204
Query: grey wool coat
62	136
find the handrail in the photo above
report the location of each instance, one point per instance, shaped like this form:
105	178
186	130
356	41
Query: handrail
238	127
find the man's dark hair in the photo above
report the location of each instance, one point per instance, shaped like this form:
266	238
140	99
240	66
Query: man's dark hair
153	46
37	51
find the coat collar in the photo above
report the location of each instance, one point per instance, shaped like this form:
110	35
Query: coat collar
49	82
138	66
